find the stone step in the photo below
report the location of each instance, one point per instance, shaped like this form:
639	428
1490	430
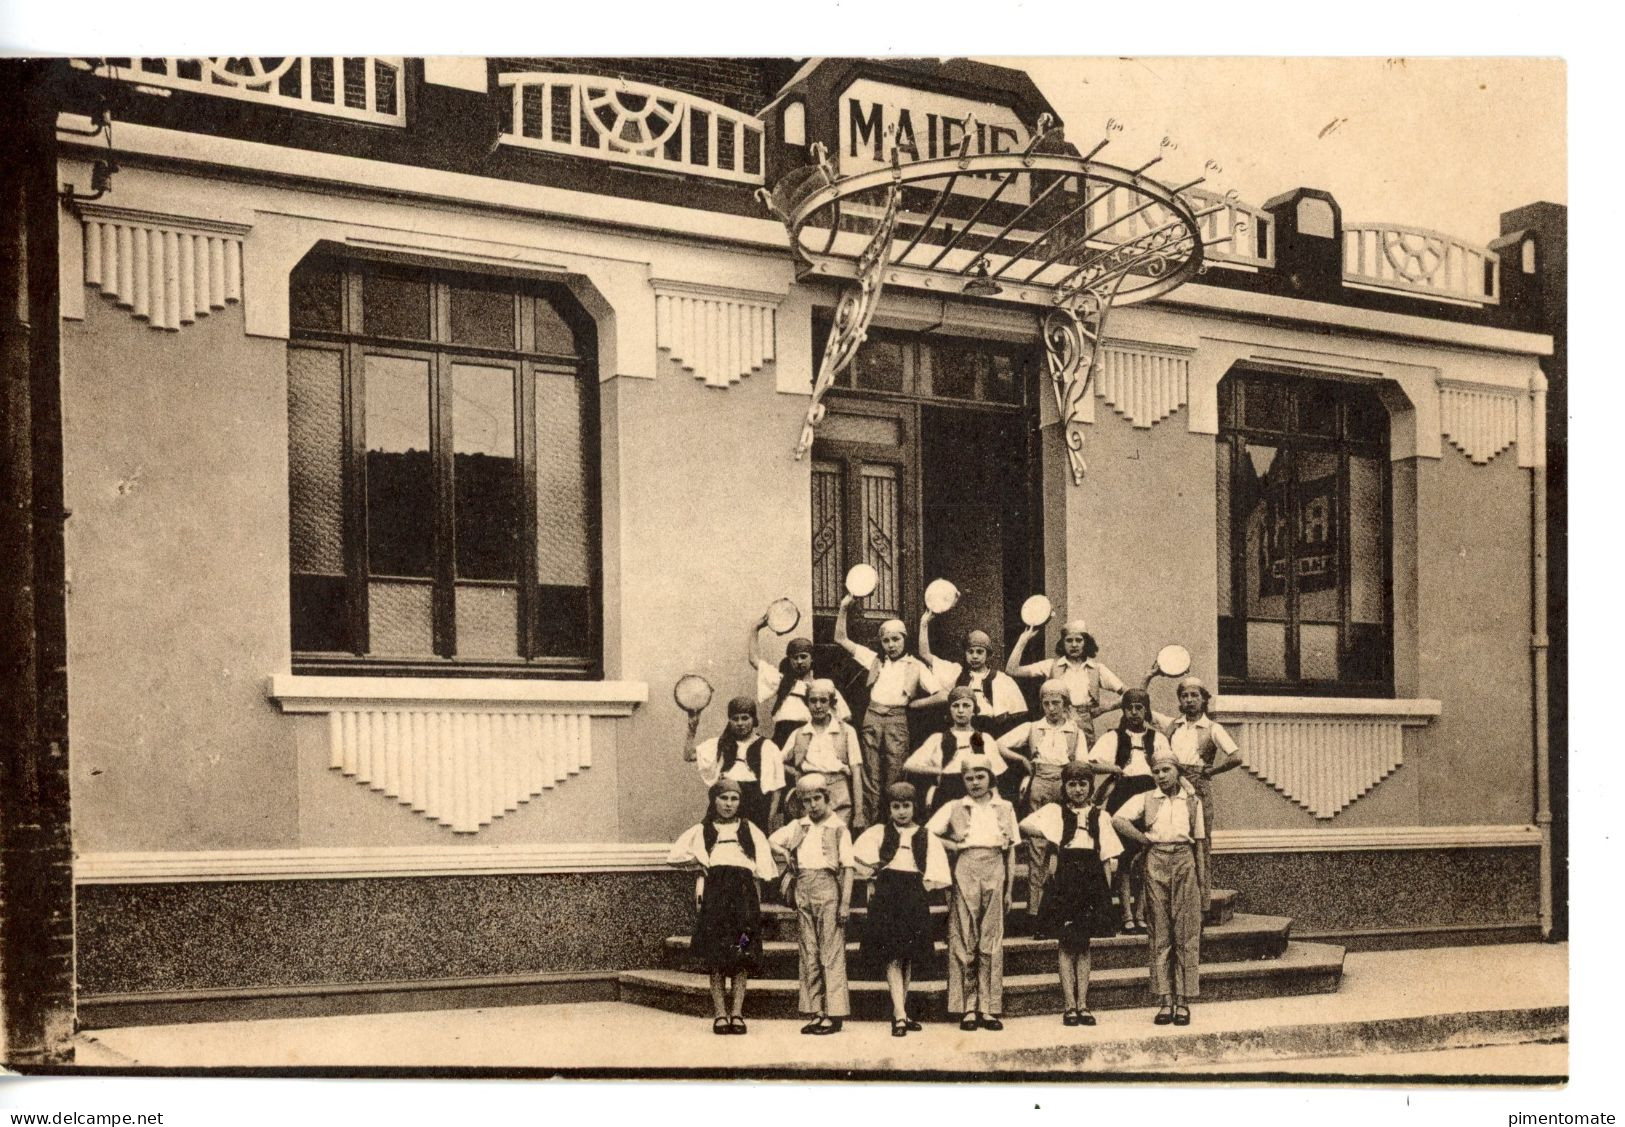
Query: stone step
1243	938
779	921
1302	968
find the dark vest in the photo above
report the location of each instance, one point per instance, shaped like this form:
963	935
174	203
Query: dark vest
890	839
747	840
728	755
1069	825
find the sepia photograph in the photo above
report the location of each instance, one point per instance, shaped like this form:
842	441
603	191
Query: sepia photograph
868	567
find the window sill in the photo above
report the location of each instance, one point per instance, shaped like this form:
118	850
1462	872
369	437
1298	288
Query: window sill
1403	711
297	693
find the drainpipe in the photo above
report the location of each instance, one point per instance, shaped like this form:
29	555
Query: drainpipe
1538	646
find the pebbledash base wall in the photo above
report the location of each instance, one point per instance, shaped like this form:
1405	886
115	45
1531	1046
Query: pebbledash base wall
224	864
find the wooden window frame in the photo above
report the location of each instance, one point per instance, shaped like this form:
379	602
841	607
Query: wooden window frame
1291	442
527	361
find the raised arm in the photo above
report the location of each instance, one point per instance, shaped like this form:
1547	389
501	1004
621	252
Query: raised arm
925	635
690	750
1013	664
753	647
842	639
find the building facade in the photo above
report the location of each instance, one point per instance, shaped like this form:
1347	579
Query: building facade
423	421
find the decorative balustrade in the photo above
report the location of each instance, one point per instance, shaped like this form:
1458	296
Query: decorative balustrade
1232	231
359	87
1413	260
631	123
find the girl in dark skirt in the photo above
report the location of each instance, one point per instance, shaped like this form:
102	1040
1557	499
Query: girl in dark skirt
1125	753
1077	905
905	863
732	855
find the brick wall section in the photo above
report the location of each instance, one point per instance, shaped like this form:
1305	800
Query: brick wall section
740	84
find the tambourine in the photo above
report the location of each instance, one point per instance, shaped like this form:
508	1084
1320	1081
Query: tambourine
861	581
1036	611
692	693
941	596
782	616
1172	661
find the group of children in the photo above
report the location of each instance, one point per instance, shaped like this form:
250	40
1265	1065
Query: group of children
1135	802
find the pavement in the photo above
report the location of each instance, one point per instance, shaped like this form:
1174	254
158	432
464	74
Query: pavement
1485	1012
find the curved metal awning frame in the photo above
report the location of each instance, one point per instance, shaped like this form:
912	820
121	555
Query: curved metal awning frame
1149	243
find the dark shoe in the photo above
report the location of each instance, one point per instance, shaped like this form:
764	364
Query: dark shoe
1182	1015
913	1026
736	1025
899	1027
1070	1017
1165	1016
991	1022
1085	1017
721	1027
826	1025
812	1026
968	1022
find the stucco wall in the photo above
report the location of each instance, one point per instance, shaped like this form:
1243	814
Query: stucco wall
175	462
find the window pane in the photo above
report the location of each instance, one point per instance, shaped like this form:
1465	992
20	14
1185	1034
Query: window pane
879	366
826	536
395	307
1317	531
1367	418
320	613
1262	496
562	529
1317	651
955	371
563	618
1264	405
485	472
1223	531
313	297
554	335
880	535
1317	408
1003	380
482	317
315	461
487	621
1366	541
400	473
400	618
1266	651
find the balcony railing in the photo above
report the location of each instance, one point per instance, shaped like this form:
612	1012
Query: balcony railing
358	87
1232	231
631	123
1412	260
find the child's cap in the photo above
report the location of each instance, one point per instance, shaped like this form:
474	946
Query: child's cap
1193	682
798	646
893	626
742	704
1076	771
961	692
1053	687
1076	626
1164	755
978	638
822	685
901	792
812	783
975	762
1132	696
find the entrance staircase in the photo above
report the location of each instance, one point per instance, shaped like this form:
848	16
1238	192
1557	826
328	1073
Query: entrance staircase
1243	956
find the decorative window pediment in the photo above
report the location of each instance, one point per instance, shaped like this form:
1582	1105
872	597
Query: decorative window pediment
167	270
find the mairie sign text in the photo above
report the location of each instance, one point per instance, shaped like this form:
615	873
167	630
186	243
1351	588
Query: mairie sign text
923	126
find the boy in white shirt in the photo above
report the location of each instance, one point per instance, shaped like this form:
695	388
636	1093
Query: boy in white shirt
1049	743
898	681
980	829
817	849
828	747
1167	822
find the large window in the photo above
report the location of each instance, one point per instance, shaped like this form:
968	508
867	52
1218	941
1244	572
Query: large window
441	464
1303	534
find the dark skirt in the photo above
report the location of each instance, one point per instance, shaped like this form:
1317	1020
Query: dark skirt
727	935
899	925
1077	905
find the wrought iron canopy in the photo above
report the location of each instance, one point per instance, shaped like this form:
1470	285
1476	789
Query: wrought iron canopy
1064	233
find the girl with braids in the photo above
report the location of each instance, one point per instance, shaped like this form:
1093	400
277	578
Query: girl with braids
756	764
731	855
782	689
941	753
1078	905
1125	753
906	863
